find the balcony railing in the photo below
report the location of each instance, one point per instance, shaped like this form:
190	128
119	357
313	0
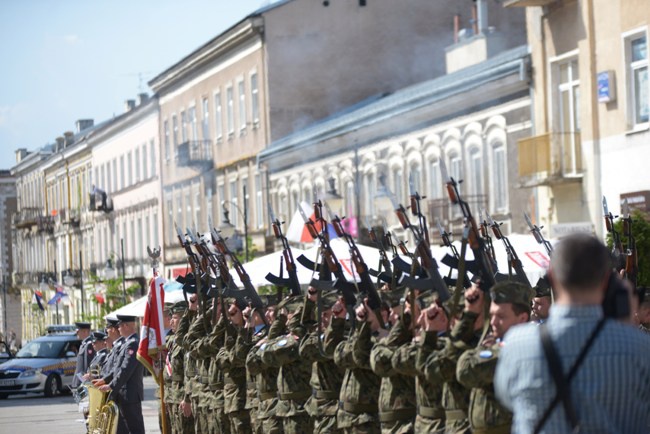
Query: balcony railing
550	158
443	211
26	217
195	152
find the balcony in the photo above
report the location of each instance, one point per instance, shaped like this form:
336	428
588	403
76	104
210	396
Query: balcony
550	159
445	212
194	152
26	218
45	223
527	3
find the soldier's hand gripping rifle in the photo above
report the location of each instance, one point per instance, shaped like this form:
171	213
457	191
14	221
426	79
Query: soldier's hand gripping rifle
195	265
324	273
631	260
422	250
483	265
513	260
248	293
537	233
386	275
365	285
453	262
207	282
617	245
292	281
484	227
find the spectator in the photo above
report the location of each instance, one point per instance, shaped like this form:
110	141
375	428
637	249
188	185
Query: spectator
607	390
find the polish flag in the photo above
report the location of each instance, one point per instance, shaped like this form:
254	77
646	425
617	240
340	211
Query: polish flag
151	334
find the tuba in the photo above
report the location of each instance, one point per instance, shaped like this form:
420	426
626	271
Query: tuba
102	413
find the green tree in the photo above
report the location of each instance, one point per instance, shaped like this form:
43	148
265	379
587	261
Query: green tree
641	233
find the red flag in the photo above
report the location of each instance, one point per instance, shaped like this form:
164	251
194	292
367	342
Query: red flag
151	334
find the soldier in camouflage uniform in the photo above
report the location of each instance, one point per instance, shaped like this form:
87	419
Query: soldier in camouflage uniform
397	406
293	378
430	413
358	410
437	358
197	370
184	369
231	360
266	381
255	329
326	376
511	305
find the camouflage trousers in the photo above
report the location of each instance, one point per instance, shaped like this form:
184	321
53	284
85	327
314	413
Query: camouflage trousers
300	424
326	425
397	427
457	426
256	423
433	426
218	422
364	428
272	425
240	422
200	417
182	424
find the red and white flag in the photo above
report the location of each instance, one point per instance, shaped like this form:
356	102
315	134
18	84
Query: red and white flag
152	332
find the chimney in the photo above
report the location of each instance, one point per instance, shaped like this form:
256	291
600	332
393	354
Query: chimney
69	138
20	154
60	141
84	124
143	98
129	105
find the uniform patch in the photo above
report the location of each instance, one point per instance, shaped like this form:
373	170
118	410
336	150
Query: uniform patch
90	351
263	346
485	354
131	352
282	342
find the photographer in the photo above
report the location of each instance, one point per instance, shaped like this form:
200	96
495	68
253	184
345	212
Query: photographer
600	364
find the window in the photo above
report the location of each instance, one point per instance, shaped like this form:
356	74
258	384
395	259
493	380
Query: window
295	200
175	131
167	145
147	225
132	240
208	206
636	54
206	119
370	192
259	203
122	173
435	179
222	197
170	221
155	230
144	163
193	125
230	114
114	167
137	165
109	184
218	115
255	100
152	155
129	168
188	209
183	127
179	210
242	105
414	179
140	247
456	166
349	199
499	176
398	184
569	95
197	208
476	171
232	207
103	177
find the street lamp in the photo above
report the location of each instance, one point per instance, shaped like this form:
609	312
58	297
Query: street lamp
228	229
110	272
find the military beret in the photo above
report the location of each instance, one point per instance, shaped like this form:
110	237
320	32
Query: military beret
292	303
99	336
392	298
328	299
167	307
512	292
82	325
125	318
111	322
269	299
179	307
237	301
543	287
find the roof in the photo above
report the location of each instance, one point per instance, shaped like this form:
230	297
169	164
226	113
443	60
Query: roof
383	107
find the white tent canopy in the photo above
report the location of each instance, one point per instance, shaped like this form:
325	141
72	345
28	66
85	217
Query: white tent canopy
137	307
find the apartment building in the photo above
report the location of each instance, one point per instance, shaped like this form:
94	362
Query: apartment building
10	318
591	110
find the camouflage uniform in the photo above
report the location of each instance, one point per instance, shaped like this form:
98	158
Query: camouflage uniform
326	379
266	384
183	372
170	400
198	384
231	360
293	378
439	365
430	413
358	410
397	392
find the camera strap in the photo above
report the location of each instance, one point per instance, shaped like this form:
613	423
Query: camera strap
562	383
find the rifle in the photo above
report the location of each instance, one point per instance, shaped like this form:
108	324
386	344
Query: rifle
195	262
537	233
513	259
631	260
617	245
485	234
249	294
455	260
292	281
423	251
387	275
365	284
324	270
484	265
205	268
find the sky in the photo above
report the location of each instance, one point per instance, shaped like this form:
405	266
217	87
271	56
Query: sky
64	60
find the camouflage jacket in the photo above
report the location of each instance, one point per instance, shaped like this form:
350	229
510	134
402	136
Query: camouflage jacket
326	377
231	363
207	349
475	370
360	387
197	383
265	378
171	393
428	394
252	338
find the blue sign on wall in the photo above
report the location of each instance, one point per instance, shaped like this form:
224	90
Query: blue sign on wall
606	86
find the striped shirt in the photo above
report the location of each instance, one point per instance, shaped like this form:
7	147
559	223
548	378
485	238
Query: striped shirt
611	390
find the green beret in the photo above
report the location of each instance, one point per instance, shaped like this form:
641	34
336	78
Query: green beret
178	307
292	303
513	292
543	287
328	299
167	307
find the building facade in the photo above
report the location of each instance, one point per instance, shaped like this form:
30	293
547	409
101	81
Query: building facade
10	318
591	107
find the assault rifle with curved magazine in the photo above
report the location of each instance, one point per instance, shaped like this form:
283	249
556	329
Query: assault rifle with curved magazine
292	281
513	259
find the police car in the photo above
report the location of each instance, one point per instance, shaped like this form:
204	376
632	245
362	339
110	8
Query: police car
44	365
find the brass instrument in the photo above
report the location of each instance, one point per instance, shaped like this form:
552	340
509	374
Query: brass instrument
102	413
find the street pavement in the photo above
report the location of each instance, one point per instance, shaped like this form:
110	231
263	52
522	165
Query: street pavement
27	414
